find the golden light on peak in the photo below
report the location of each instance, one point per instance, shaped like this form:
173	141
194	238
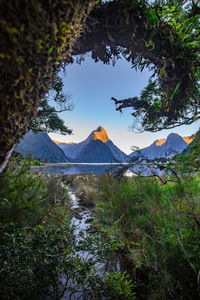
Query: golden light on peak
57	142
160	142
101	135
188	139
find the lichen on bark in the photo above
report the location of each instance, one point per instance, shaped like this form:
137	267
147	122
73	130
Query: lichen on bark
36	37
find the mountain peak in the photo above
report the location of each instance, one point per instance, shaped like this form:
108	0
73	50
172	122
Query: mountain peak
100	128
174	135
160	142
41	147
100	134
97	148
188	139
174	138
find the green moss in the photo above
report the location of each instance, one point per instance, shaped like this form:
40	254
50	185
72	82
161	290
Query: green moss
36	38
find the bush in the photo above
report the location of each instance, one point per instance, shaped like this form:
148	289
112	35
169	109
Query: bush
31	260
46	262
158	227
40	257
35	231
85	189
27	198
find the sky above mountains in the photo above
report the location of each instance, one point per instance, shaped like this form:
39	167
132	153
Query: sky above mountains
92	85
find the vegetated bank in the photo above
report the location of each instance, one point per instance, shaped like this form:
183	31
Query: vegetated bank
39	253
156	225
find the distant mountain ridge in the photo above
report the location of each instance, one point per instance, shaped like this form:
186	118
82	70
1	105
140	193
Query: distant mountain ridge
40	146
97	148
164	148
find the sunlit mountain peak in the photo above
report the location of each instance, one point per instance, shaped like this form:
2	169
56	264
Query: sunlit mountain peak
56	142
188	139
100	134
160	142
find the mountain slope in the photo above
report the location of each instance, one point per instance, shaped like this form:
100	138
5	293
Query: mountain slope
96	152
193	146
41	147
71	150
96	148
163	148
119	155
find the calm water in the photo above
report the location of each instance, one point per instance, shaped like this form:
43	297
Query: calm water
56	169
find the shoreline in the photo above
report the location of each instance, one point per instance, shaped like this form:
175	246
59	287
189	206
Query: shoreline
83	164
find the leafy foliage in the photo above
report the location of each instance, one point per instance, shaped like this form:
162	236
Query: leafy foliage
158	228
44	262
47	115
25	197
39	254
160	35
159	109
31	259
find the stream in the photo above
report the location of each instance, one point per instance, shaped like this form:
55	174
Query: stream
81	220
83	230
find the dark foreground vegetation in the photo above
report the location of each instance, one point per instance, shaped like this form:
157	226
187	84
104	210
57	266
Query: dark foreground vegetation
157	228
153	226
39	254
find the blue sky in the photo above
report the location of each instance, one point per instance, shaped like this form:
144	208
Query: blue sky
91	86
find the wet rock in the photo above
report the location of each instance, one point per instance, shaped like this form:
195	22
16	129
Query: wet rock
85	202
78	209
77	216
89	220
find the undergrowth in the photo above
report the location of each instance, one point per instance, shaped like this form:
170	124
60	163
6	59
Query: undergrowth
40	258
157	227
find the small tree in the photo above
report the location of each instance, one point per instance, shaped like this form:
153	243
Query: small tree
47	118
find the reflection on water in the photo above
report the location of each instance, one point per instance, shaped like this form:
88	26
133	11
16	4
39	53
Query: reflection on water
75	169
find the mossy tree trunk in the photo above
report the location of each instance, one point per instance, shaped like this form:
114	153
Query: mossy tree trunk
36	37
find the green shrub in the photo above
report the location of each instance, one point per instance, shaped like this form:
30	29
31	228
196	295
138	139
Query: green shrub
44	261
40	257
158	226
26	198
31	260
